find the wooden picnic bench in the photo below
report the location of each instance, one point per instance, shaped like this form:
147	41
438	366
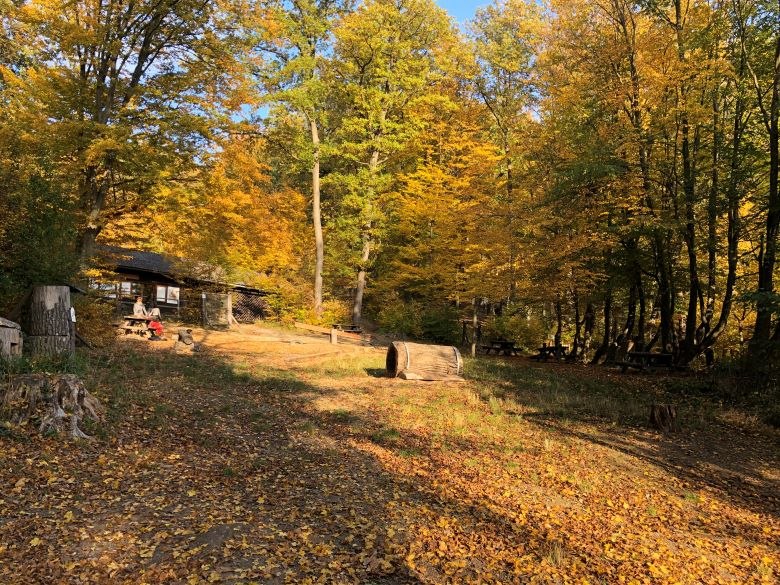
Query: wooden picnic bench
135	324
643	360
347	328
548	351
501	346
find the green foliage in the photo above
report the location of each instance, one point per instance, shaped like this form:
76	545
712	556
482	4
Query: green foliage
419	320
37	242
527	331
76	364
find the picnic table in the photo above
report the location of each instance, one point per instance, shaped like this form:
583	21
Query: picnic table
643	360
500	346
548	351
135	324
347	328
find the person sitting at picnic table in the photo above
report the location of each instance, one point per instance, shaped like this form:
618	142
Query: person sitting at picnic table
139	310
157	329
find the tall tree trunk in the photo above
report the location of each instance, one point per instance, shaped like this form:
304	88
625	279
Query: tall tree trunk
641	325
575	346
319	243
762	330
604	347
733	200
93	199
589	324
357	307
367	232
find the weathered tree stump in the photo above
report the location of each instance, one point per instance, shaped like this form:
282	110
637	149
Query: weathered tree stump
55	402
185	343
663	417
49	323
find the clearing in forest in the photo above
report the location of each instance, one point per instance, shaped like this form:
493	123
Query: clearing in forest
275	458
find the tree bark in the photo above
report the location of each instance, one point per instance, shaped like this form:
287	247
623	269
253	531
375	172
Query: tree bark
366	235
49	323
762	329
316	215
357	307
604	347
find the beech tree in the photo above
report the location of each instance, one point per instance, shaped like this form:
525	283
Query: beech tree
123	93
387	56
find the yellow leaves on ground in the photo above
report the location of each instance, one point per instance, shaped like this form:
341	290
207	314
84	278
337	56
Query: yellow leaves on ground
297	485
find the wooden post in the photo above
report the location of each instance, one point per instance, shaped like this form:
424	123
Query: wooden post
50	327
229	307
334	336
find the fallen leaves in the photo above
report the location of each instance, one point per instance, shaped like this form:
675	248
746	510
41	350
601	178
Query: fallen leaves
252	479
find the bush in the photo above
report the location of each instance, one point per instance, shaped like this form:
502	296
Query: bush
527	332
95	319
416	320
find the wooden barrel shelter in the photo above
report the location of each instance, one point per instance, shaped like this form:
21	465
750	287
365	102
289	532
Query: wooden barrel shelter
50	326
418	361
10	339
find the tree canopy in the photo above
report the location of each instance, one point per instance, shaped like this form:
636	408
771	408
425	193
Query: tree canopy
601	173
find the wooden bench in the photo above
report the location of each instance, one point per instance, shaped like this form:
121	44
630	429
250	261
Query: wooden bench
643	360
501	346
548	351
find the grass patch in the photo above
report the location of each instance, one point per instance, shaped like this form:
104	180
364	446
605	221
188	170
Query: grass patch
386	436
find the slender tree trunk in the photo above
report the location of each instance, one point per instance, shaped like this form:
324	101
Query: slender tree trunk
762	330
319	243
366	235
733	219
575	346
589	324
357	307
602	350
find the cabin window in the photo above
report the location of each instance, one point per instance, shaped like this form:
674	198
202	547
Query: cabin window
130	289
106	289
167	295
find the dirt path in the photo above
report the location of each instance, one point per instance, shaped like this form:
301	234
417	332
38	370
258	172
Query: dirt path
269	459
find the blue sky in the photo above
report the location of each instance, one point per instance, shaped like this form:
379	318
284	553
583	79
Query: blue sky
462	10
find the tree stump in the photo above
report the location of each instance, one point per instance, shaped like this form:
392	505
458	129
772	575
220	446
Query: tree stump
663	417
55	402
49	325
184	342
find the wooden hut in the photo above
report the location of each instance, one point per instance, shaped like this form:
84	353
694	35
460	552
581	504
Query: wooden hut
10	339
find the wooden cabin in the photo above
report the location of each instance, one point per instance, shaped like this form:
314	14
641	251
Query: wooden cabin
180	288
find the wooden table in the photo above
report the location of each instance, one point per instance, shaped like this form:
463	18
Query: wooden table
548	351
347	328
501	346
643	360
136	324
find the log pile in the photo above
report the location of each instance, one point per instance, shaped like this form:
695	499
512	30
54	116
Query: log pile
56	403
418	361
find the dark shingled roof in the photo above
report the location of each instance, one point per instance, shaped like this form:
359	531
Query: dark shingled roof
137	260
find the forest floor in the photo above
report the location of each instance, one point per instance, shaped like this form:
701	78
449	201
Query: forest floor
273	457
